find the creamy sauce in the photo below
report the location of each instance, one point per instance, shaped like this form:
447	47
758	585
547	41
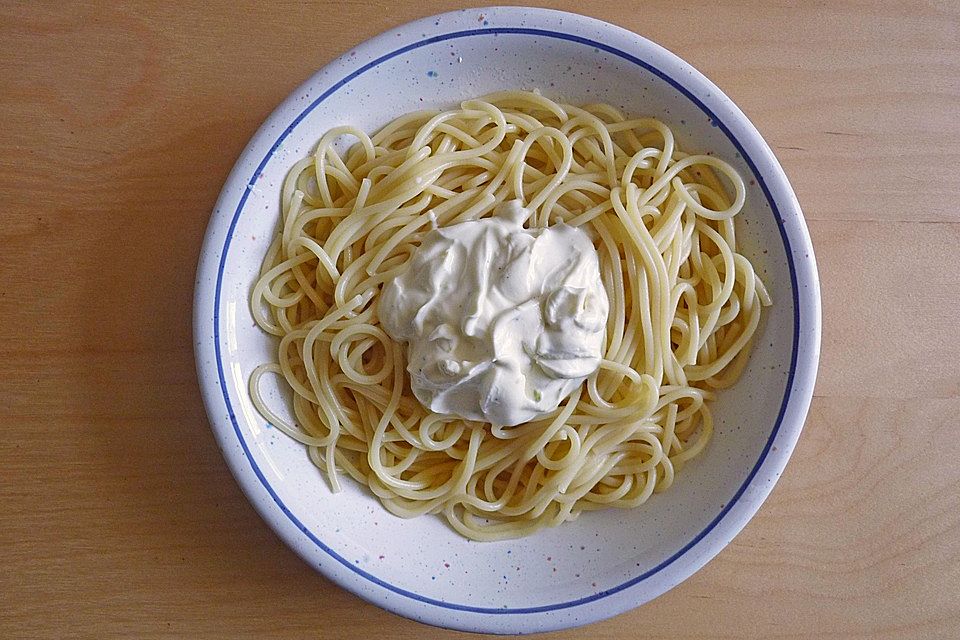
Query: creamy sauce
502	322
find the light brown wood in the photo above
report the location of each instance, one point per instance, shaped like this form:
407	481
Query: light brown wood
118	517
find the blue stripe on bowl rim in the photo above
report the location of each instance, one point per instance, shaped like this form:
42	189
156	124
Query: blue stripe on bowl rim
544	33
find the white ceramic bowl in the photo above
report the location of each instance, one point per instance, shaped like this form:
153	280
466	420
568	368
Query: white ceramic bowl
605	562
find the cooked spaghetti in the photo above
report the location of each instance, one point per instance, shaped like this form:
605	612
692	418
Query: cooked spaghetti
683	307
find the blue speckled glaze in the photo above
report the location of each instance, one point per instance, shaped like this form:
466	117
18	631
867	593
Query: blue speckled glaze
354	565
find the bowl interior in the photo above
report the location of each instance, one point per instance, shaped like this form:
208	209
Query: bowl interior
601	550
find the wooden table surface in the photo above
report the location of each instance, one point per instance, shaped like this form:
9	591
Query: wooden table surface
118	126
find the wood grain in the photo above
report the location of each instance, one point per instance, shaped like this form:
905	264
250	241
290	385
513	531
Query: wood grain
119	517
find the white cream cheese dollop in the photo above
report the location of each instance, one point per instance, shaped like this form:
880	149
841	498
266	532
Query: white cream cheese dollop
502	323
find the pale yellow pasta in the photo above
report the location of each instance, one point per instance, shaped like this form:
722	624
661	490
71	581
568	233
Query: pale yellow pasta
684	306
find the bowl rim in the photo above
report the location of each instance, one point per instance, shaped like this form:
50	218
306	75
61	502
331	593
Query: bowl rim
800	259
